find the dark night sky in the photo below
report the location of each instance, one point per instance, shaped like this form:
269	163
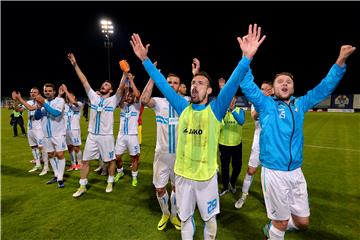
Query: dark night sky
302	37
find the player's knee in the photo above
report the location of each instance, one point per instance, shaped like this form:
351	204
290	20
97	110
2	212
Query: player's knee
251	171
160	192
281	225
302	223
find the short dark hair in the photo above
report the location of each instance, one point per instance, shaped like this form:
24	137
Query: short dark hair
173	75
50	85
284	73
267	82
204	74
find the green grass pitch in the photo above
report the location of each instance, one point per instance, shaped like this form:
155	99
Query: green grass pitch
30	209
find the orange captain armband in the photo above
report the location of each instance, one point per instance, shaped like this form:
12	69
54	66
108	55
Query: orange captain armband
124	65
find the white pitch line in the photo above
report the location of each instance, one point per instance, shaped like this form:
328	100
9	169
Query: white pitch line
324	147
333	148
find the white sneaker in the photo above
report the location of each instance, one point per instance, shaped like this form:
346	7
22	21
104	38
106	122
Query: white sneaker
35	169
82	189
239	203
109	187
44	171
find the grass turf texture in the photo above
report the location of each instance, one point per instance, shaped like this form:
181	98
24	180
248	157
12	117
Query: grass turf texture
30	209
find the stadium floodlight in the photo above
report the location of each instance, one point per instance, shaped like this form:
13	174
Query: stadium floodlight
107	29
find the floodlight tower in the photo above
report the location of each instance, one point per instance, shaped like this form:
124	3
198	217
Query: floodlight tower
107	29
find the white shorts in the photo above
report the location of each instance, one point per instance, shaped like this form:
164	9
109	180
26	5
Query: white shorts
127	142
254	160
285	193
73	137
204	194
55	144
99	145
163	169
35	137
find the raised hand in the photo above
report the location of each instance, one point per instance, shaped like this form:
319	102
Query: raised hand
39	99
345	52
64	87
250	43
195	66
61	91
72	59
138	47
221	83
15	95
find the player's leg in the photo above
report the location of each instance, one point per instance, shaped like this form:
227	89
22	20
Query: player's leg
225	163
186	203
134	152
236	160
207	200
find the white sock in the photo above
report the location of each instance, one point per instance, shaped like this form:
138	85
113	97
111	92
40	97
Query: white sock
83	182
36	155
110	179
54	166
72	157
163	202
291	225
119	170
134	174
188	229
276	234
247	183
79	157
45	159
61	168
210	228
173	204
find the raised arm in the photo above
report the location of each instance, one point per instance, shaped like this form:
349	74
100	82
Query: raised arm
330	82
195	66
133	86
78	71
145	97
17	96
70	97
249	45
120	91
177	101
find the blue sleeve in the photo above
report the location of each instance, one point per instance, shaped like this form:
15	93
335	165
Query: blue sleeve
51	110
323	89
222	102
252	92
177	101
239	117
38	114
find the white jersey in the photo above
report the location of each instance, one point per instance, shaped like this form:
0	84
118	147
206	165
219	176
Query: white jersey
72	116
129	117
32	123
166	126
102	113
53	126
257	122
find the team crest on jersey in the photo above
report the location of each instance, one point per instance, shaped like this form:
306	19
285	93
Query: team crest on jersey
281	113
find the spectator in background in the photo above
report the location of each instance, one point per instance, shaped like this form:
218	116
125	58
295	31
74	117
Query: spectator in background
17	119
